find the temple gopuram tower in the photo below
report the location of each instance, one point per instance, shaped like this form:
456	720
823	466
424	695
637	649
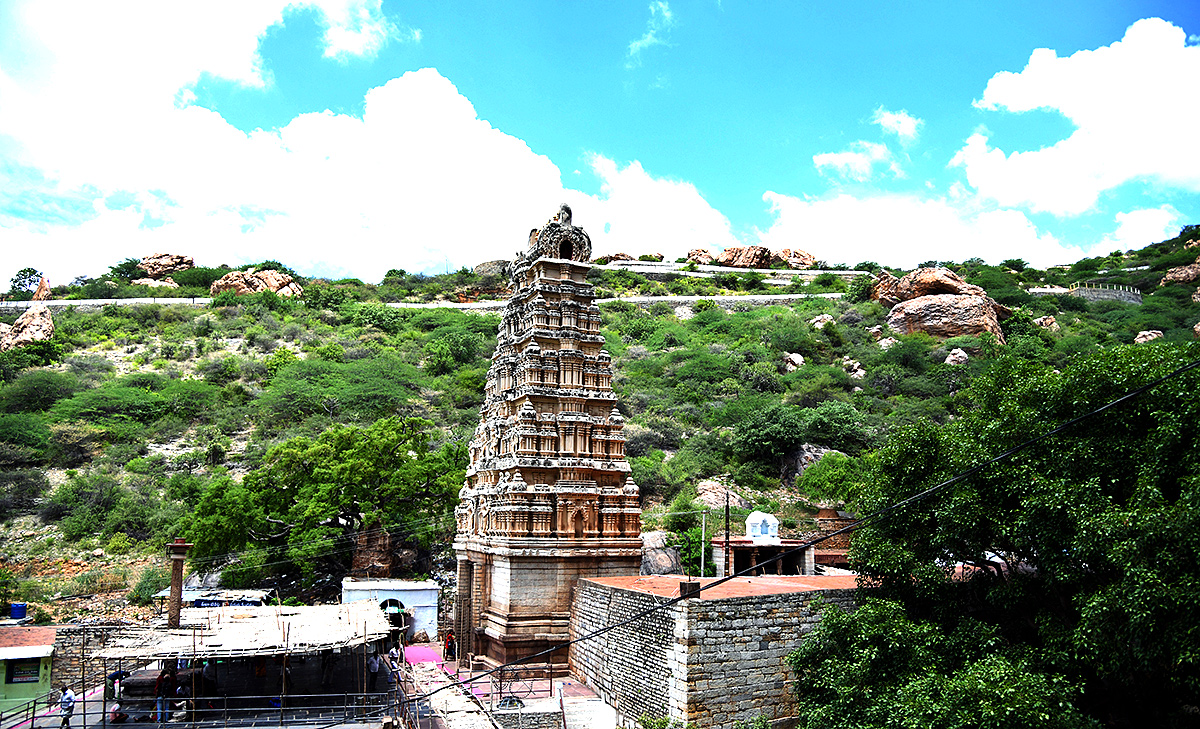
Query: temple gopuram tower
548	497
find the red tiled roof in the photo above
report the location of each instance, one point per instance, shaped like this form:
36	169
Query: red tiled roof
668	585
22	637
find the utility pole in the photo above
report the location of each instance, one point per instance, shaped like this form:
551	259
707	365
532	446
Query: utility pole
703	524
726	566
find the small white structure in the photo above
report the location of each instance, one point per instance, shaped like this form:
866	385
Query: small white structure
762	528
418	599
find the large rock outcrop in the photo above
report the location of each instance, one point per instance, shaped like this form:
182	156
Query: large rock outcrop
1182	274
158	265
35	325
926	282
166	283
712	492
700	257
43	290
745	257
939	302
1148	335
794	258
253	282
497	268
946	315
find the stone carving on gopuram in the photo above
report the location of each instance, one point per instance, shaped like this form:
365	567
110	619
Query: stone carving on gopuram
548	497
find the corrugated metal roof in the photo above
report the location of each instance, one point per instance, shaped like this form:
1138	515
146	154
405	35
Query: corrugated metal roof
229	632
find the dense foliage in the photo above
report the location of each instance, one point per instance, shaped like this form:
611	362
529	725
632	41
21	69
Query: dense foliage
1054	588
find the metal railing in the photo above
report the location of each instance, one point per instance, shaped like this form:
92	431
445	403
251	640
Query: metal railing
1111	287
213	711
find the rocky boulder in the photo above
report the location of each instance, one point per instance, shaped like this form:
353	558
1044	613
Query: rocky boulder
35	325
253	282
493	268
885	289
700	257
794	258
929	281
1147	336
1047	322
661	561
158	265
745	257
166	283
655	257
853	368
946	315
1182	274
820	320
798	461
711	492
792	361
1196	330
602	260
887	343
43	290
957	357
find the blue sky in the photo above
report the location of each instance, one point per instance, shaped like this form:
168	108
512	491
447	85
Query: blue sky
347	137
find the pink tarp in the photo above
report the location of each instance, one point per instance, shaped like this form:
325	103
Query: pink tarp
421	654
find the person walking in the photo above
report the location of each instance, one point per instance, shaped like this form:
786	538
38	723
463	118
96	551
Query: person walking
164	692
372	671
66	705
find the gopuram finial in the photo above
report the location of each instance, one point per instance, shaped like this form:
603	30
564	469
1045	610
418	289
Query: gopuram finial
558	238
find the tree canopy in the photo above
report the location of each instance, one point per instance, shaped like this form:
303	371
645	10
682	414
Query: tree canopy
1059	587
311	495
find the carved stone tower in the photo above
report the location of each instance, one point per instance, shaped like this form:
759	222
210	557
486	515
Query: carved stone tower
548	496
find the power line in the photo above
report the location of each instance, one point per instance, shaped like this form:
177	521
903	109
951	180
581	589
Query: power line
874	516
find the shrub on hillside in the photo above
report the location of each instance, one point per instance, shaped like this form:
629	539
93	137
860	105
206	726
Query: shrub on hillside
152	580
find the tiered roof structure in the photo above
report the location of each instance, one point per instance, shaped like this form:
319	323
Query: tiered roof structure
548	497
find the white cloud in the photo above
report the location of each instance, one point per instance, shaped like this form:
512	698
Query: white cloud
419	181
358	28
858	161
905	230
1140	228
901	123
657	27
1134	113
644	214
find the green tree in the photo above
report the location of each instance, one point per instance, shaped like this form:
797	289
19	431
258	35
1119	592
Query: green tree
25	280
313	494
1078	556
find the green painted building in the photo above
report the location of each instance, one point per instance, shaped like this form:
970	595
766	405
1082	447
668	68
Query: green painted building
25	655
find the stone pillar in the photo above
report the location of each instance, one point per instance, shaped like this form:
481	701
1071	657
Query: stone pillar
177	551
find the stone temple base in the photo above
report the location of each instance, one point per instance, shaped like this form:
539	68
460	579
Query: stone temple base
527	608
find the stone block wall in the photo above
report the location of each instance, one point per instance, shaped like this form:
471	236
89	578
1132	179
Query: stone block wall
709	662
73	656
737	648
540	718
628	667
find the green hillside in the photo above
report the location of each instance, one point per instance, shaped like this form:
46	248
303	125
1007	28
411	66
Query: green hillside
232	425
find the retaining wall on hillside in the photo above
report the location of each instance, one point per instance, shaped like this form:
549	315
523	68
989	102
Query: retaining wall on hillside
1105	294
